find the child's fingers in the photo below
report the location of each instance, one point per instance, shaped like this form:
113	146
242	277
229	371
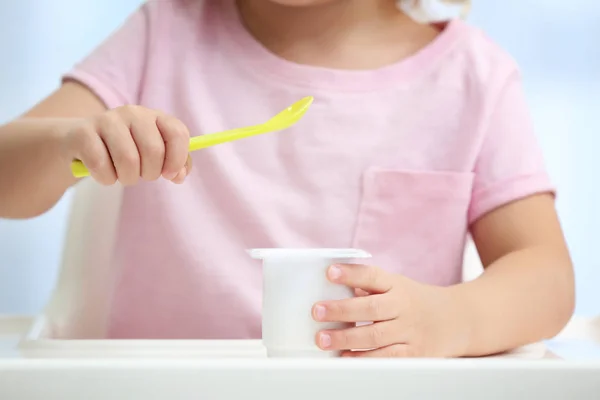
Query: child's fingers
100	164
123	151
364	337
367	278
398	350
180	177
150	146
85	144
188	164
184	172
379	307
177	140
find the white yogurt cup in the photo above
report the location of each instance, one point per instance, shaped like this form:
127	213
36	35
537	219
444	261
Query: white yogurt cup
293	281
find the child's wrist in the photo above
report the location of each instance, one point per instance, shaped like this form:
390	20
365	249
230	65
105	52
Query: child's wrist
458	321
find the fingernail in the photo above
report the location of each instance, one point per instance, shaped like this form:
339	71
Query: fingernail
170	176
334	273
324	340
320	312
180	177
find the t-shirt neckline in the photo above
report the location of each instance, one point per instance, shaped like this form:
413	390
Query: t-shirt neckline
256	56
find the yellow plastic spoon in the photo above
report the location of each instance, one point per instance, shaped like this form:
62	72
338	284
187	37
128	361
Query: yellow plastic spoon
283	120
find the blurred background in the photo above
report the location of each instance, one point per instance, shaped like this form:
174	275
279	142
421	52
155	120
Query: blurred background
555	42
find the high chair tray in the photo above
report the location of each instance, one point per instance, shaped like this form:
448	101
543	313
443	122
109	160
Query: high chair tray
270	379
216	370
35	343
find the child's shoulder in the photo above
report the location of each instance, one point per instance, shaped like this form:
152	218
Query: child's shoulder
484	59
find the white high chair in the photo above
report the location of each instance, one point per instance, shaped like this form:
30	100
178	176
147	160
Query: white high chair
89	242
472	266
227	370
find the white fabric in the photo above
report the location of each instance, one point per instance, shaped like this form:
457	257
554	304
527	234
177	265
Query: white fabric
430	11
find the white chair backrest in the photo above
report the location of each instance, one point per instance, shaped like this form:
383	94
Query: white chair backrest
472	266
78	307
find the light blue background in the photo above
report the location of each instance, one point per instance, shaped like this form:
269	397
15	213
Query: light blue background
555	42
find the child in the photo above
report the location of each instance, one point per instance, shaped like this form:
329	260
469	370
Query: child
419	134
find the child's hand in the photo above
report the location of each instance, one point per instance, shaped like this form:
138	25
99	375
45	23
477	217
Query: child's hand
130	142
410	319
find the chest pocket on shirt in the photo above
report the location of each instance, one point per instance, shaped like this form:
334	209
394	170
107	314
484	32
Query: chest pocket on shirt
415	222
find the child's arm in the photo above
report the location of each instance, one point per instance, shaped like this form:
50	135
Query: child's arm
89	118
125	143
526	293
33	171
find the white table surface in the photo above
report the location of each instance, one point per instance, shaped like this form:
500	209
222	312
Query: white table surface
567	367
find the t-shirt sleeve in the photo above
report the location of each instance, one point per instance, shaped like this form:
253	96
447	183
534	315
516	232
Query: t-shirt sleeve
114	71
510	165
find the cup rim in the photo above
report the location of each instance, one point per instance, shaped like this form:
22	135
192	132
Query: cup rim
313	253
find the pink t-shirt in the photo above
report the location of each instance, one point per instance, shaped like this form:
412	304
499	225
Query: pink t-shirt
396	161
